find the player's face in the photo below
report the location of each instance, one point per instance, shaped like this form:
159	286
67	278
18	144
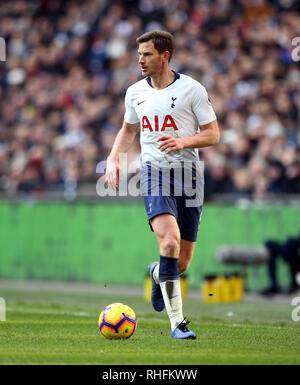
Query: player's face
150	60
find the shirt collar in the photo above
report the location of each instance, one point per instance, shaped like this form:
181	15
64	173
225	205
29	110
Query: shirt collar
177	76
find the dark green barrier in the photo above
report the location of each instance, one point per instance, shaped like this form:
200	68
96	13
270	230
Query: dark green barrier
112	243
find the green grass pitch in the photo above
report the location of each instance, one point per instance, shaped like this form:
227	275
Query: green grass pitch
61	328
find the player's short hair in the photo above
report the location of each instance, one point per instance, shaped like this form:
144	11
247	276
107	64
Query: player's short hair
162	41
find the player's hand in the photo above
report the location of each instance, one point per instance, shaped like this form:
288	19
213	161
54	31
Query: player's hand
170	143
112	174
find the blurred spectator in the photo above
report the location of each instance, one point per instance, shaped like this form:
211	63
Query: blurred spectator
69	64
289	251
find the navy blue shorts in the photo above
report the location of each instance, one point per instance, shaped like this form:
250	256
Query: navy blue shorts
188	218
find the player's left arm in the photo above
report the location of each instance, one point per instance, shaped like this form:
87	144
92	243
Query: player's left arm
209	135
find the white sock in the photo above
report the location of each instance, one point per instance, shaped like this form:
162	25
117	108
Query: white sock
156	273
172	297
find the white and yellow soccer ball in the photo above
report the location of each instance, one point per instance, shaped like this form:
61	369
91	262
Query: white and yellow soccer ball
117	321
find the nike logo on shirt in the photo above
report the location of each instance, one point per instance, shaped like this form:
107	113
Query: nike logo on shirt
141	102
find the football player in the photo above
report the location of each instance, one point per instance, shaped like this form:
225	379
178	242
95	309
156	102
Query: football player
168	109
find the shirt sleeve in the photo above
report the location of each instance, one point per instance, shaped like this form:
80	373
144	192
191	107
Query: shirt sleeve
130	114
201	106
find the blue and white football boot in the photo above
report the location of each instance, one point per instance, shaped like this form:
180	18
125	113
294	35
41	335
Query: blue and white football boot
156	294
182	332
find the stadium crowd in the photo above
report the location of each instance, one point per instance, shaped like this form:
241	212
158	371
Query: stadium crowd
69	63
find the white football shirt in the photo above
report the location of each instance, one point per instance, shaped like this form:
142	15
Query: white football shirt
177	110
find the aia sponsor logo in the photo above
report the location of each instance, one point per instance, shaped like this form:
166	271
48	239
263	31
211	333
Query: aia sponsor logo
168	122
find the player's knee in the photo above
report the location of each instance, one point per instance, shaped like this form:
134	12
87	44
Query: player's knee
170	246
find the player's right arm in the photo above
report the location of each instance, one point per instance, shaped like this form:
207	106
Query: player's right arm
123	141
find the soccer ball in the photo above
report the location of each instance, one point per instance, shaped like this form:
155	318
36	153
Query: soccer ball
117	321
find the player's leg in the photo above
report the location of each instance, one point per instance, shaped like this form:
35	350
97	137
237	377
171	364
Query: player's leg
188	221
168	237
185	258
185	255
167	233
156	206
